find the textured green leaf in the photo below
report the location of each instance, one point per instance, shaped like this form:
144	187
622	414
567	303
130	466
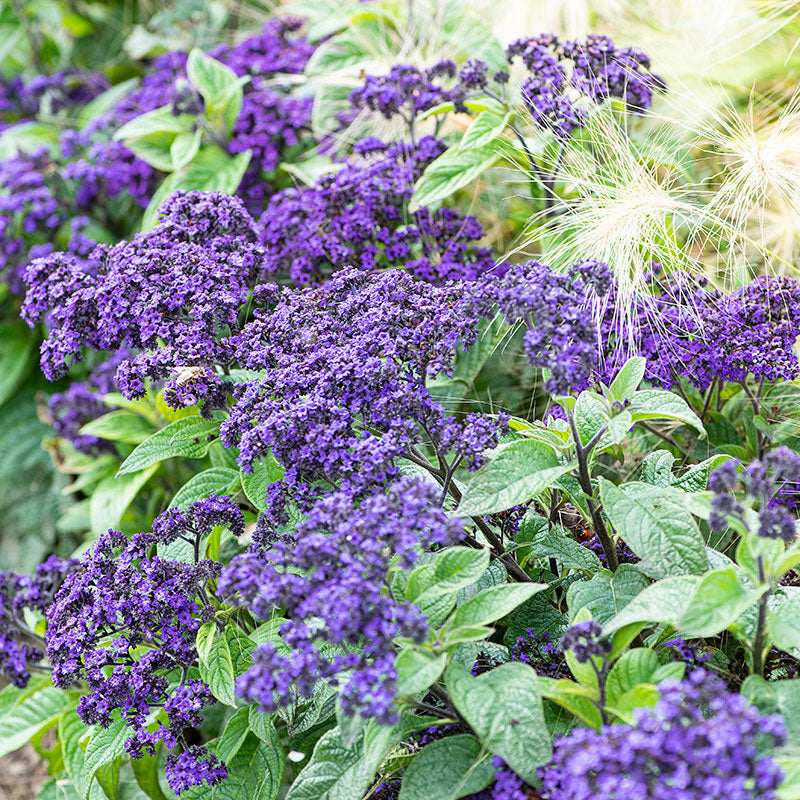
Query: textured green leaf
189	437
517	472
236	731
493	603
264	472
254	773
447	769
112	496
486	127
606	594
665	601
218	672
719	600
659	404
656	525
105	745
504	708
449	172
214	481
656	468
119	426
635	667
783	623
695	479
417	670
548	541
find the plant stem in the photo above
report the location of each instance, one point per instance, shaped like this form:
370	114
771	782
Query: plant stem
761	624
585	480
666	437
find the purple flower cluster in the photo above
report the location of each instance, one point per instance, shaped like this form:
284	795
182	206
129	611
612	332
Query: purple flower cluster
125	622
81	402
594	70
358	217
32	214
170	294
40	192
20	647
541	653
698	742
22	99
561	335
686	329
763	479
341	396
585	640
343	368
333	567
691	655
405	91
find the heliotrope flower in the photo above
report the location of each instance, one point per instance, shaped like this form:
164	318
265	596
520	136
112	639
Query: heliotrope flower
125	622
699	742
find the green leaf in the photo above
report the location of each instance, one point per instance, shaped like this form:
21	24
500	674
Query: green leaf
264	472
554	542
656	468
451	171
211	170
105	745
417	670
254	773
606	594
217	671
518	471
71	729
493	603
214	481
504	708
17	346
665	601
155	149
656	525
119	426
106	101
145	770
187	437
112	496
160	120
486	127
698	606
783	625
628	379
695	479
184	148
262	726
206	634
236	731
446	769
658	404
635	667
219	85
454	568
336	772
574	697
718	602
